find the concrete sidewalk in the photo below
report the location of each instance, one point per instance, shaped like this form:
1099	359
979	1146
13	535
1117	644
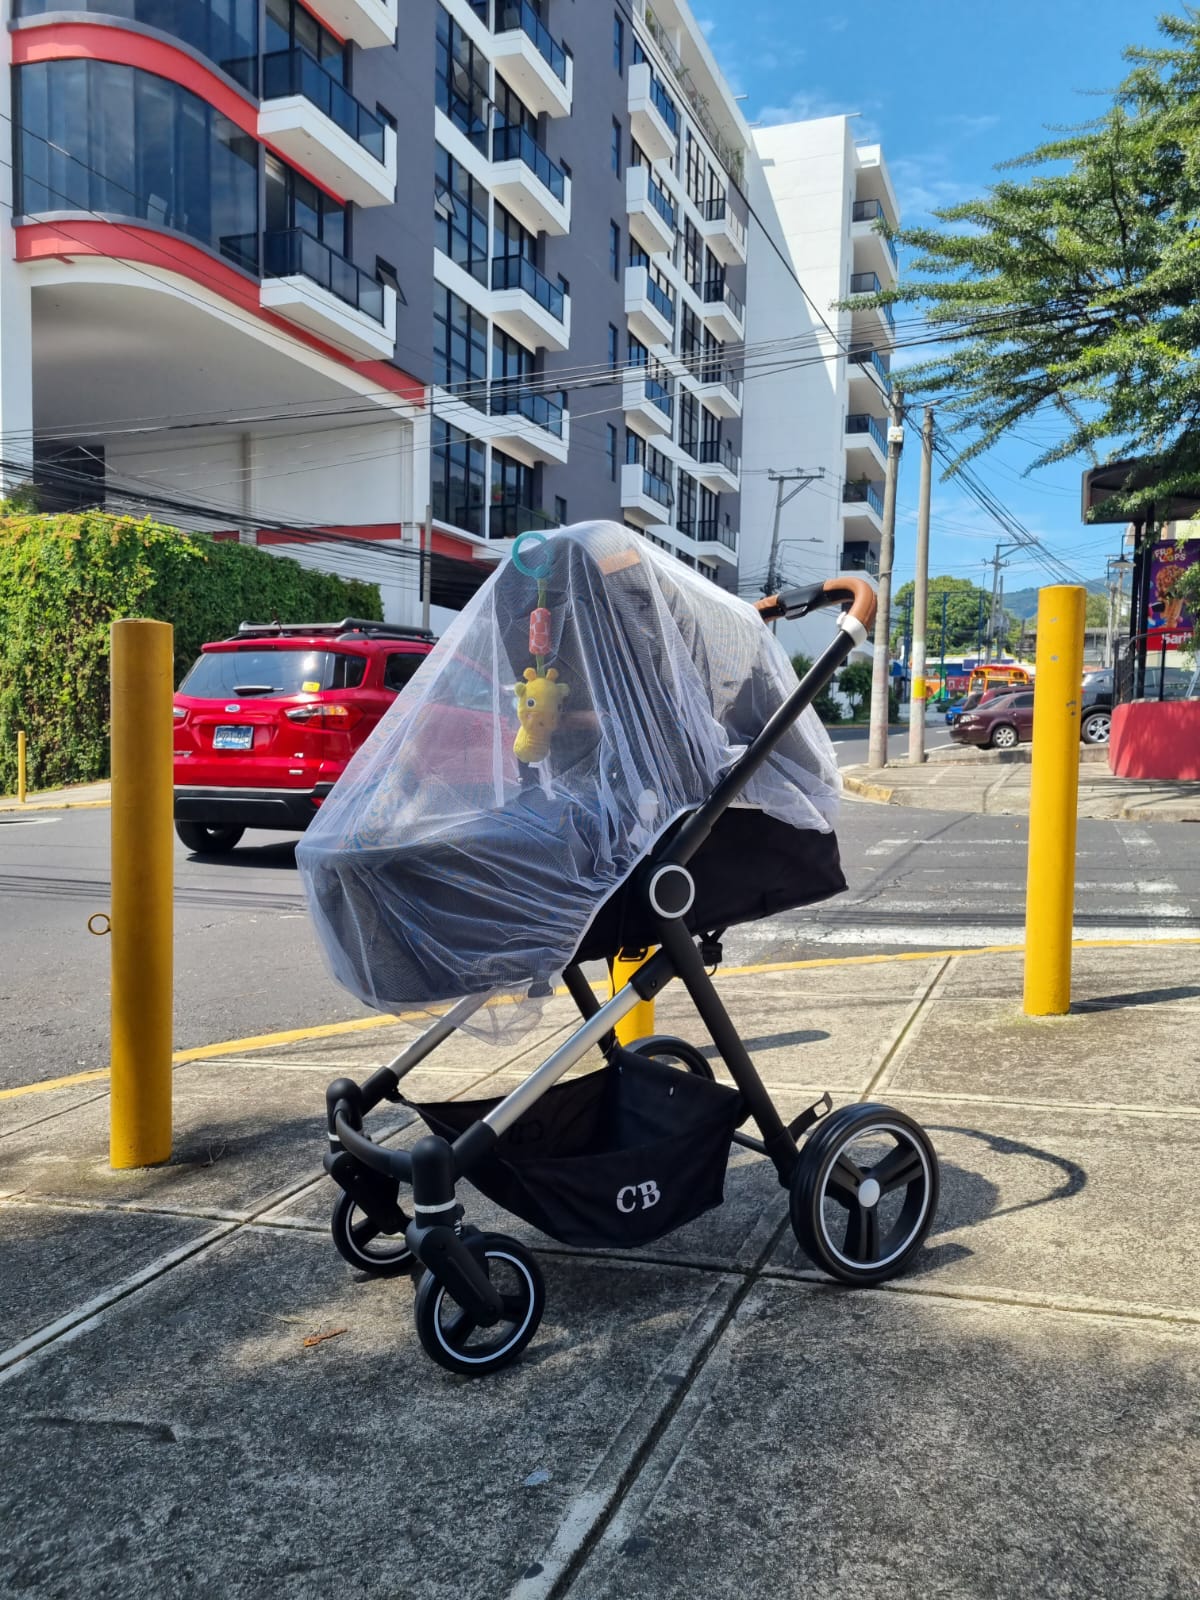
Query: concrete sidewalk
984	782
1019	1417
73	797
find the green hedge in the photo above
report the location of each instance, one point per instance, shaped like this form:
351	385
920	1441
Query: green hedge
63	581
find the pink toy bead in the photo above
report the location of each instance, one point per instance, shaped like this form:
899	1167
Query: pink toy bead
539	632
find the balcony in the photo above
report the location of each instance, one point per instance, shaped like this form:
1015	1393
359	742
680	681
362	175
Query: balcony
872	248
370	23
530	426
724	233
645	497
651	214
862	504
869	373
524	179
720	466
867	435
648	402
721	390
884	316
653	117
650	309
528	306
314	287
860	557
506	519
724	313
530	59
314	122
714	533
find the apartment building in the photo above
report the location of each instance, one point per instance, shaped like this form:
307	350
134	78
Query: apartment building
818	377
302	273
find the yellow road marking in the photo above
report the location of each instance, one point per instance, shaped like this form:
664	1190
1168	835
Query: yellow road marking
331	1030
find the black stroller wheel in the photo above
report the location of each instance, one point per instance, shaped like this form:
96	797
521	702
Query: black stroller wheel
365	1245
455	1340
674	1053
864	1194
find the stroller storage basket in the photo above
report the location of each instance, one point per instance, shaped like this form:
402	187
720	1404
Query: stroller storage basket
614	1159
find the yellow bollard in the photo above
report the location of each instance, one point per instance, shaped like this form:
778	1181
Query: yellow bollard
142	893
21	767
1053	801
639	1024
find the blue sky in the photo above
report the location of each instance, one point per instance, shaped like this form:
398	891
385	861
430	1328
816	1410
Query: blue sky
950	88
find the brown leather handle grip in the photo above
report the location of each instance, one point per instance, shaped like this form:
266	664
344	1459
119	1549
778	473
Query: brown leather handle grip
856	593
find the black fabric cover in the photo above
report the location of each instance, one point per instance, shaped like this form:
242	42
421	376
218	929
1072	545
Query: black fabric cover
611	1160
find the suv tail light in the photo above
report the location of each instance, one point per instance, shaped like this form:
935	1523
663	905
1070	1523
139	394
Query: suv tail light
324	717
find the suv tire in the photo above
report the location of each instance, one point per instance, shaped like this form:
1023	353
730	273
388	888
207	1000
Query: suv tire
205	839
1097	726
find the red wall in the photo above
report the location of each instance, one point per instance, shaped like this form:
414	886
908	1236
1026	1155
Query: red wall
1153	740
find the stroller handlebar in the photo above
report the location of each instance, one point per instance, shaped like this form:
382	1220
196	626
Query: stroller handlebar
856	594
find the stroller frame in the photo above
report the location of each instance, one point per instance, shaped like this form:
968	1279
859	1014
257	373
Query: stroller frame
456	1257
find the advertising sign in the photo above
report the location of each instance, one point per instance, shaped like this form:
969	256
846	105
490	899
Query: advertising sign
1170	628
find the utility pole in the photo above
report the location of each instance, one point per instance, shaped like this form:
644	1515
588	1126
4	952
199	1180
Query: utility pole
426	565
881	666
801	478
916	704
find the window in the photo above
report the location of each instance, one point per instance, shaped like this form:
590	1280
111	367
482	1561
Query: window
614	358
289	25
293	202
509	238
96	136
614	250
461	74
399	668
685	516
638	354
616	147
560	511
692	254
225	31
635	447
460	215
459	346
695	171
512	366
611	452
706	522
512	497
687	422
456	466
618	44
512	112
689	332
637	256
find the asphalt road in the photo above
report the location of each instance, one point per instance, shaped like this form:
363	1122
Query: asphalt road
247	962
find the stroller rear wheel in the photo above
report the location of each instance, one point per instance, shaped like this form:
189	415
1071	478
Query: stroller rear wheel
365	1244
458	1341
865	1193
674	1053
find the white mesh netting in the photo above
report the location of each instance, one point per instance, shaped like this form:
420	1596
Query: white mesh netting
465	850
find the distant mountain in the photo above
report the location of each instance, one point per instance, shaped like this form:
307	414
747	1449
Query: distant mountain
1024	602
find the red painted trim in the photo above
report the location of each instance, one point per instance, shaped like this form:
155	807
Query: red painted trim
40	241
369	532
96	41
1152	739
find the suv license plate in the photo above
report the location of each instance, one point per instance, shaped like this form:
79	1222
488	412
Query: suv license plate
233	737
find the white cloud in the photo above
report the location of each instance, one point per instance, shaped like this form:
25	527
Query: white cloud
706	26
924	184
808	105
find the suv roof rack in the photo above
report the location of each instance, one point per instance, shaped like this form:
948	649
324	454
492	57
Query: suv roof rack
347	626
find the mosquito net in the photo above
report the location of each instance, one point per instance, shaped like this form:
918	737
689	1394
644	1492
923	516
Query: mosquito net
591	692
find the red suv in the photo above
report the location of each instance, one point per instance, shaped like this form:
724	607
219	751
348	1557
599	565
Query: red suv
265	722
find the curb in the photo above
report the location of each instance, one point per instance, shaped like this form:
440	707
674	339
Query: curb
871	791
16	807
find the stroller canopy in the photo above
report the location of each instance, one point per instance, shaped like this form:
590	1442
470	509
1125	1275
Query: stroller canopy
506	795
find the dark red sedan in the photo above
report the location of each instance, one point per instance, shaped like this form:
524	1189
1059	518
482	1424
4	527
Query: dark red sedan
999	724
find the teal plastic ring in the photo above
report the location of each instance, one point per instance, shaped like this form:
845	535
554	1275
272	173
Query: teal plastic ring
530	572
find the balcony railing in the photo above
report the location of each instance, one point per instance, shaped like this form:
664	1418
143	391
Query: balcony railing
868	283
725	376
520	14
860	558
291	252
860	422
517	144
660	299
863	493
663	103
710	531
718	292
720	452
661	201
287	72
730	159
657	488
718	211
538	408
866	355
514	272
659	395
872	211
506	519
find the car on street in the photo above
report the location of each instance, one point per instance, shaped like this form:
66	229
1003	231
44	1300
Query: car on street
1095	718
998	722
266	721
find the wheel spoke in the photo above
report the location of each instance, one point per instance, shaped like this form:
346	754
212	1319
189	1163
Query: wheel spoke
844	1178
460	1328
898	1169
862	1234
363	1232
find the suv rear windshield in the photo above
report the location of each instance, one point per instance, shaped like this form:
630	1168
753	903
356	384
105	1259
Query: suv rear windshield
221	673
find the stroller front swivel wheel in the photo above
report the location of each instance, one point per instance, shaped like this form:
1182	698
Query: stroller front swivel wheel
462	1343
864	1194
365	1245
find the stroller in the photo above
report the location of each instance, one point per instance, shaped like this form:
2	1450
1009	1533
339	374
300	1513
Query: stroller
506	823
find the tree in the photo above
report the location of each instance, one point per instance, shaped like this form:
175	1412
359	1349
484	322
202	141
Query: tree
854	680
1072	292
824	705
962	615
